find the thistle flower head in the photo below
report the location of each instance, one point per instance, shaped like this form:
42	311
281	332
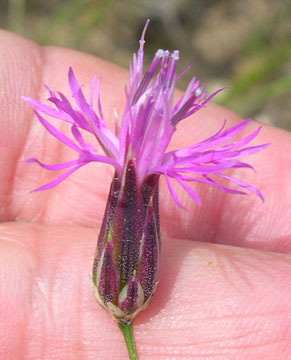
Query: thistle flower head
147	125
127	254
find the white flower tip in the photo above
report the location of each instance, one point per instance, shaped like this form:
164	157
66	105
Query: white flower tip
160	53
175	55
166	53
198	92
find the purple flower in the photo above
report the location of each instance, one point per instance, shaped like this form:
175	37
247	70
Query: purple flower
147	125
127	254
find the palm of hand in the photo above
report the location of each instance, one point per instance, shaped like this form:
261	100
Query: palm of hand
214	301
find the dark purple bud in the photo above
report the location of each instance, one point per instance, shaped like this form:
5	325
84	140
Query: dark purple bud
127	254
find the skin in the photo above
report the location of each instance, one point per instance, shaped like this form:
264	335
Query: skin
224	290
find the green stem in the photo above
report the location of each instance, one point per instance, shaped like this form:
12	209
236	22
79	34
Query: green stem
126	330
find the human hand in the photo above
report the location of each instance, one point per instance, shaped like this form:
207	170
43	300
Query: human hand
217	298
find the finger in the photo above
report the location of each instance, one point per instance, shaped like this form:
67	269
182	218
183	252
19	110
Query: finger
23	137
212	301
20	73
81	198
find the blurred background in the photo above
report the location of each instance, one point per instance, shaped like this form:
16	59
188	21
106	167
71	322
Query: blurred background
244	45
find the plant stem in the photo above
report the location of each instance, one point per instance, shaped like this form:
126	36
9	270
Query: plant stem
126	330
